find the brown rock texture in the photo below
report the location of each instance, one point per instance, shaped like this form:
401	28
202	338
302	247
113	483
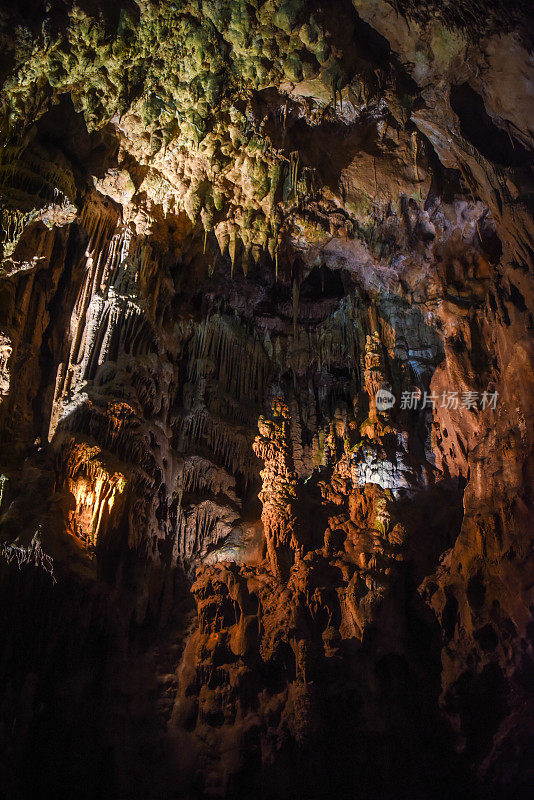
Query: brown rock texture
266	416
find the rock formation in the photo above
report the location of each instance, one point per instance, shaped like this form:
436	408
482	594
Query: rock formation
266	418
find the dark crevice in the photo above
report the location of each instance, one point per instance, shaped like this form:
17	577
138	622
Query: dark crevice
480	130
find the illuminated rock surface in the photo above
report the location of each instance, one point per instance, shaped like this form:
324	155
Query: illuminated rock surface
228	567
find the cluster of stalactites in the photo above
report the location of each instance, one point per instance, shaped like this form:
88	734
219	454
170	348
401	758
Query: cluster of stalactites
200	527
229	446
96	485
109	320
224	352
33	186
201	475
227	374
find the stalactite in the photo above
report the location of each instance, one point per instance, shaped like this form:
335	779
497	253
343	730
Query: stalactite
238	361
201	475
233	249
226	443
294	159
198	527
12	224
296	296
338	338
96	484
27	176
109	318
114	432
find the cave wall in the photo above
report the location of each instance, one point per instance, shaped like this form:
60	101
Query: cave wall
226	569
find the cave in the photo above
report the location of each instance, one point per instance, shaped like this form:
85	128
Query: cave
266	399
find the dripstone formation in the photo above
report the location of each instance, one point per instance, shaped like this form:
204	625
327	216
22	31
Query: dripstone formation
266	416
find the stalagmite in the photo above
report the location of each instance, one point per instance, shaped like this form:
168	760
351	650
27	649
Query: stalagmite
278	493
